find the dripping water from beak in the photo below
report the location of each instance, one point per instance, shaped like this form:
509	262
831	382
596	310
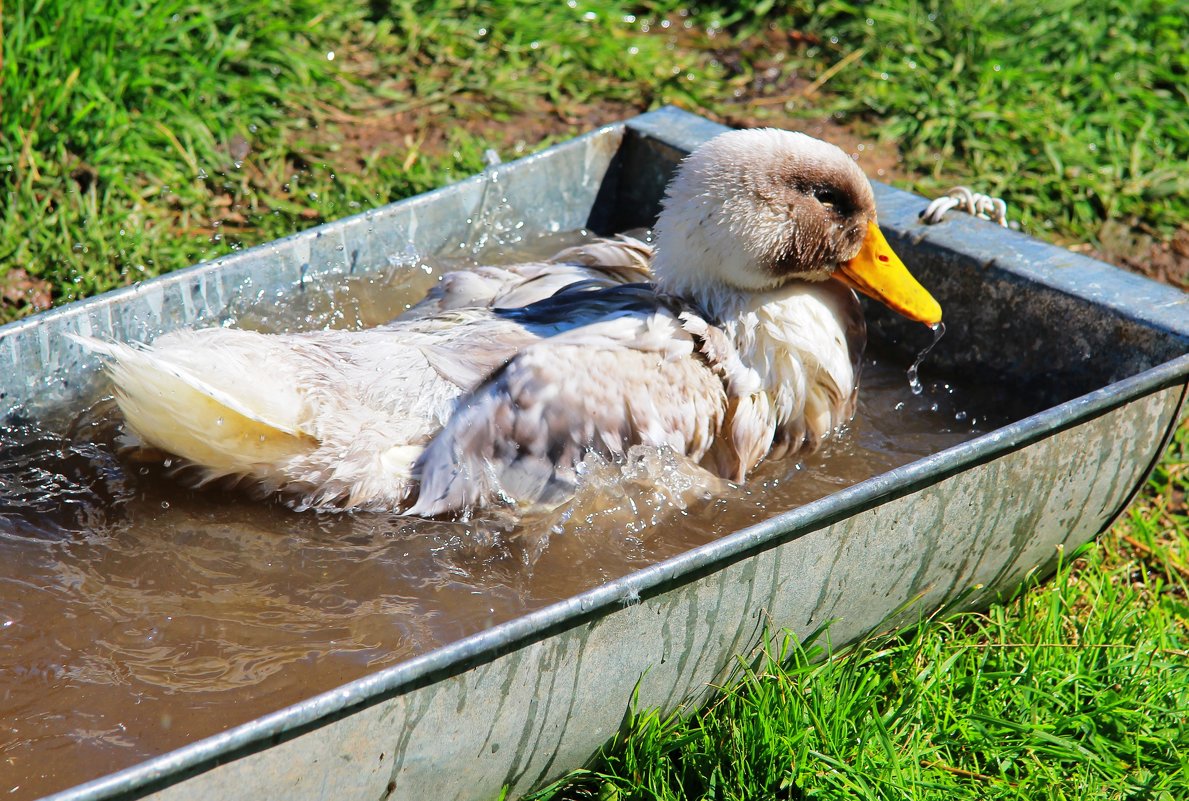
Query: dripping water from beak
914	382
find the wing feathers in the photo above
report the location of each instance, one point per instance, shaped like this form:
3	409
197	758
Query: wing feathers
521	435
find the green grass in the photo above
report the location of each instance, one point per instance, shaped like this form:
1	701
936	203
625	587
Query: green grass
123	121
1066	108
510	55
1074	689
138	137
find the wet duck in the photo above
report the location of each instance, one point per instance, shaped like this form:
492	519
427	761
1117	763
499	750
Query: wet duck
744	345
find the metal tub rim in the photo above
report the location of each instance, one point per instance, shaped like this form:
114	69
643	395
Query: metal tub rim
463	654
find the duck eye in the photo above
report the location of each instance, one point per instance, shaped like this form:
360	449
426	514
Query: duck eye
826	196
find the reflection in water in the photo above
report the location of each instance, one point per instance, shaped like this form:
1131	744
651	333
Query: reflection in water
137	615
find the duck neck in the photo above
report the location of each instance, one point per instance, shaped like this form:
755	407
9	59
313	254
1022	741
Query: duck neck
701	287
798	344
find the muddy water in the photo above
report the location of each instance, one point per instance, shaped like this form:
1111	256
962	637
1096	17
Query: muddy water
137	615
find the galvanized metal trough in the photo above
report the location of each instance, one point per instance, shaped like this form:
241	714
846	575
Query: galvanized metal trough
521	702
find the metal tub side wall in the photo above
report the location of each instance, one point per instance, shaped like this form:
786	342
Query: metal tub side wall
523	717
1050	323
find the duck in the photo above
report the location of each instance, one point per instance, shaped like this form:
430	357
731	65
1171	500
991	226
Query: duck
736	337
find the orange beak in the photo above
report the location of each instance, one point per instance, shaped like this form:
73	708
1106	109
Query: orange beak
878	273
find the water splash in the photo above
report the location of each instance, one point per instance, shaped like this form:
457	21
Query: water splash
53	487
632	494
914	382
494	221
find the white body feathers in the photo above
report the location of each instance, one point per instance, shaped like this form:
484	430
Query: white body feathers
470	399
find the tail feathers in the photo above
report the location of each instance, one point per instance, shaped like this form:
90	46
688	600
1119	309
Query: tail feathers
170	407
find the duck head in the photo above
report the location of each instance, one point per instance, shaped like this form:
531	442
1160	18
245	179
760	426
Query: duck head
752	210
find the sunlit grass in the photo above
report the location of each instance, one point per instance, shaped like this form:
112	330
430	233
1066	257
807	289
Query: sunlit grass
1066	108
125	120
138	137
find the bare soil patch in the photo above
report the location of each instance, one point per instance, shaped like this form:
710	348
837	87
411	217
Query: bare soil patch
19	289
1141	251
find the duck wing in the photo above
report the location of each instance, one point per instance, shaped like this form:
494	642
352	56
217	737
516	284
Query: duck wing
331	418
596	264
626	374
